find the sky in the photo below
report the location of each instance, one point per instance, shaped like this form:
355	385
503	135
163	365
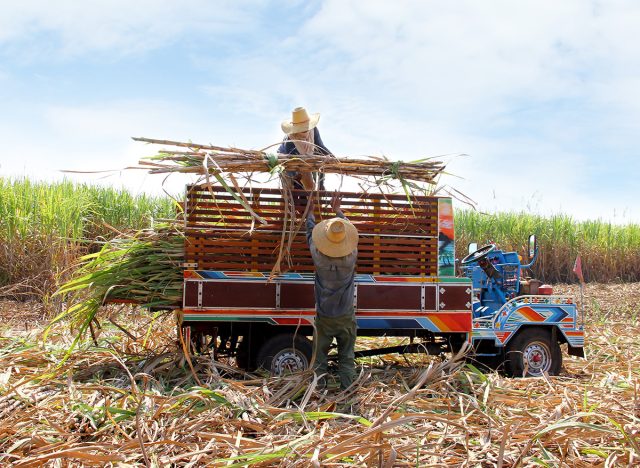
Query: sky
543	97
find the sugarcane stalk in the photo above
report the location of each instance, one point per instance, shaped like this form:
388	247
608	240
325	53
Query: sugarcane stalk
210	159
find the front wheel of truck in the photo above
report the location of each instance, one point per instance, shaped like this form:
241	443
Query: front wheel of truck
532	353
285	353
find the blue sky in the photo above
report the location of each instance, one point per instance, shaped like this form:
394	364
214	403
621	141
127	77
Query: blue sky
543	96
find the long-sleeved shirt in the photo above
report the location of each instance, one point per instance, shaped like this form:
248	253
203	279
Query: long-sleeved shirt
335	278
289	147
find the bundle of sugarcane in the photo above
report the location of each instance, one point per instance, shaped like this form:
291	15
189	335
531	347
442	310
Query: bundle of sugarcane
144	268
209	159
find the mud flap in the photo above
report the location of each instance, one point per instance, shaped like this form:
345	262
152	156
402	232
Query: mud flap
577	351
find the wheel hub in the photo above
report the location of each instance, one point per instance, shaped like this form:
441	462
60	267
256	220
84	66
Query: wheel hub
288	361
537	358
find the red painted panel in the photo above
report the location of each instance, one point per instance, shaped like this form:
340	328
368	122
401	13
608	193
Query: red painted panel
430	297
297	296
382	296
238	294
291	321
454	297
191	294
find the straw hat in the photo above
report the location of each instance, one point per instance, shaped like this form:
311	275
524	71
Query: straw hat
300	121
335	237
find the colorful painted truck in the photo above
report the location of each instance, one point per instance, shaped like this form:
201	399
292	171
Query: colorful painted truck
248	283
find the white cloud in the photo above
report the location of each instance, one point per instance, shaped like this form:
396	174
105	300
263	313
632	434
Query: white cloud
536	92
468	53
41	28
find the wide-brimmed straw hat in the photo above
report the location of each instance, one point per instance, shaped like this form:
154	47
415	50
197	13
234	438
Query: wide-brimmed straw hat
300	121
335	237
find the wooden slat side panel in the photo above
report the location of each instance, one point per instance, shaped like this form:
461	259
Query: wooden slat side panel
396	236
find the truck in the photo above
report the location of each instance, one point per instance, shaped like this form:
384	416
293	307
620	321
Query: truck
248	285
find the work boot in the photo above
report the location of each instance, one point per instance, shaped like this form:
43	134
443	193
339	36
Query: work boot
322	384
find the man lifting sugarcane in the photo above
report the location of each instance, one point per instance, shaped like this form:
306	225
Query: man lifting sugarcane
303	138
334	249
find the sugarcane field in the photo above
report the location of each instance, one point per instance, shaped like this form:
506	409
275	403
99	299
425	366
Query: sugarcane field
329	233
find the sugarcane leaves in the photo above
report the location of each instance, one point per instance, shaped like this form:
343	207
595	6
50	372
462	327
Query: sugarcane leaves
573	422
217	174
87	310
322	415
184	160
395	173
144	268
275	167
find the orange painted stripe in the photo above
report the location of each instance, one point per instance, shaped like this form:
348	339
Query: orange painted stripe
458	322
244	274
450	318
531	314
574	333
441	323
413	313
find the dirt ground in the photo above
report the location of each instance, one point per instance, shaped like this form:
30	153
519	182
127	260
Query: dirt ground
135	400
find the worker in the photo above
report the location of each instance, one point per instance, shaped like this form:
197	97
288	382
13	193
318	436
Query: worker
302	138
334	249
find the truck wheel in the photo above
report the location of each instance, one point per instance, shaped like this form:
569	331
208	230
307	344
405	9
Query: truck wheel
285	353
532	353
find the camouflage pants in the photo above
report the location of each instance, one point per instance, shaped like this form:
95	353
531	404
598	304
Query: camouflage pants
343	329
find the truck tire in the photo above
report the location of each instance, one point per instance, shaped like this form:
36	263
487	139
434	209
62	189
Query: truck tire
532	352
285	353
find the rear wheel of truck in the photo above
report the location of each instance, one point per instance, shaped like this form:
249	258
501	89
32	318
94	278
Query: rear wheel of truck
533	353
285	353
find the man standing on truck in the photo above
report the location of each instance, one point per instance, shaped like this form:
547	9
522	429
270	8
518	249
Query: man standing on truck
334	249
303	138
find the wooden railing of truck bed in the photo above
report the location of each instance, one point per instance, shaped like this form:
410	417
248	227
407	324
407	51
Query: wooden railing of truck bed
397	236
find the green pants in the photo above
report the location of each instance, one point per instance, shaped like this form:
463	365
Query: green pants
343	329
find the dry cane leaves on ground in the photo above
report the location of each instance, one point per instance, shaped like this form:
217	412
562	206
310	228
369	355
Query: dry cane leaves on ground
135	400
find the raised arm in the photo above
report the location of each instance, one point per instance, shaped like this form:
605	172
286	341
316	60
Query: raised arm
335	205
311	221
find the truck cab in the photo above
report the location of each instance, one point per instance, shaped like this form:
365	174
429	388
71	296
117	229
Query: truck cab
498	276
516	321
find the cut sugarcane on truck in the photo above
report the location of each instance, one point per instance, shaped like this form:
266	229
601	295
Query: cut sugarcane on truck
249	286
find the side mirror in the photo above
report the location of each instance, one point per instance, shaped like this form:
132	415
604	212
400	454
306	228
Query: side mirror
533	245
473	246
